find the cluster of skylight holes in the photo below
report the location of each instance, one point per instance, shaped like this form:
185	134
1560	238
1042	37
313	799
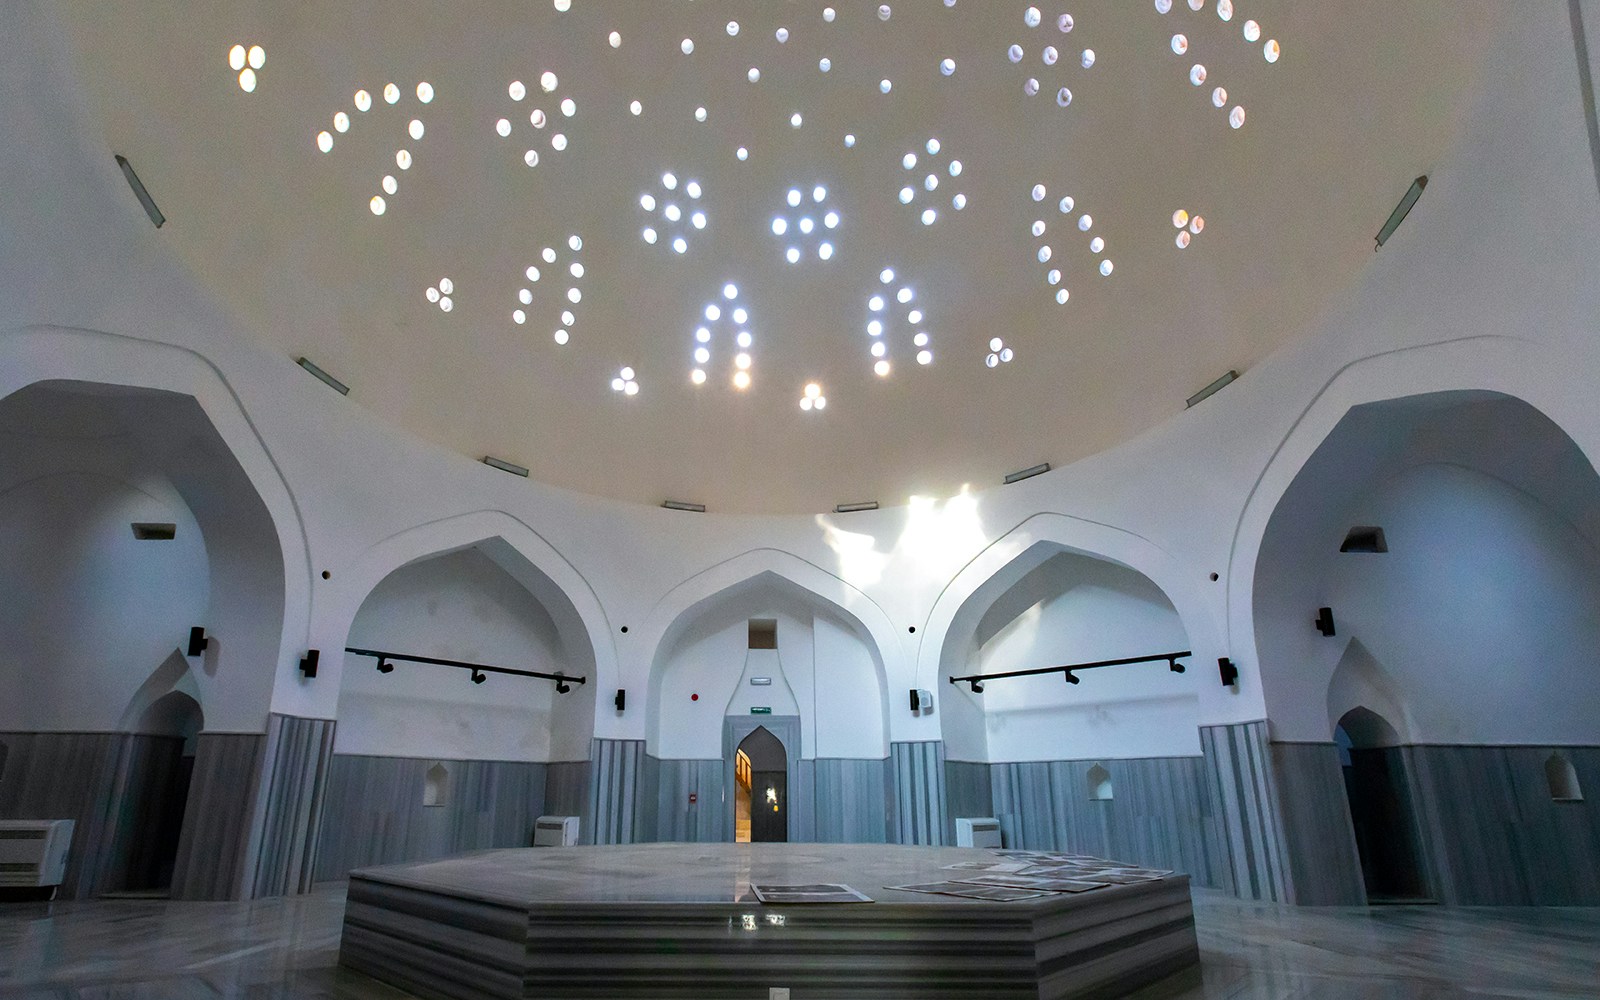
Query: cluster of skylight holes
624	382
1049	55
402	157
1271	51
921	192
1188	227
676	224
574	294
246	62
538	118
812	399
1046	253
999	353
879	309
728	313
441	293
804	227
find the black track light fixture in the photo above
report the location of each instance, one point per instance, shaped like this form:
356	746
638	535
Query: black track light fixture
977	686
1073	678
1174	666
478	677
562	687
385	667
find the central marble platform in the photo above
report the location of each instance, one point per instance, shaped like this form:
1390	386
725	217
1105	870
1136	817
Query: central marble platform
681	920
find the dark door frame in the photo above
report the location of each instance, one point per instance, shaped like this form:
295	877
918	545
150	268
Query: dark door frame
787	730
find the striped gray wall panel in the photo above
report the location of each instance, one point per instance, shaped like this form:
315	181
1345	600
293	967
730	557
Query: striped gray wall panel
615	791
1491	834
802	802
969	791
676	819
216	822
1162	813
114	786
1241	779
1320	841
566	793
919	815
851	801
294	776
375	813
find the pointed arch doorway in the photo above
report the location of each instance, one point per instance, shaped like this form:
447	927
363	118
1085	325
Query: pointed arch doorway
761	767
1380	808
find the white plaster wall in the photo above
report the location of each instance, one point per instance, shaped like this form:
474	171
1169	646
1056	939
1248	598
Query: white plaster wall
458	606
1074	609
822	671
1485	610
90	613
1492	283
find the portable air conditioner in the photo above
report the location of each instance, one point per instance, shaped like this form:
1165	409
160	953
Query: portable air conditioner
555	831
977	831
33	852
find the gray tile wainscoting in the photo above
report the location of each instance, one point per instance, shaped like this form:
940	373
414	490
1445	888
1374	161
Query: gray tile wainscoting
217	821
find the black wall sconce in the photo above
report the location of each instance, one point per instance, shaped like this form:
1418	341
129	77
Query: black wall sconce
1324	621
1229	672
197	640
621	700
308	663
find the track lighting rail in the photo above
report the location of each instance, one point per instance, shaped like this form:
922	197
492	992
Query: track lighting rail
479	670
976	680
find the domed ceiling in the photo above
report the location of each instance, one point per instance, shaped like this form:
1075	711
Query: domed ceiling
776	256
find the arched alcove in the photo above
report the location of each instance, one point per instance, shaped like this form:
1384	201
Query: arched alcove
1562	778
1382	813
465	605
1099	782
826	669
125	520
1051	607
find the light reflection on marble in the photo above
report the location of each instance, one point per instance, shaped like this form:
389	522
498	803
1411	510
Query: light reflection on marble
288	948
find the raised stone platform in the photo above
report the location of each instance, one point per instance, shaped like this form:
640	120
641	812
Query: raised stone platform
681	920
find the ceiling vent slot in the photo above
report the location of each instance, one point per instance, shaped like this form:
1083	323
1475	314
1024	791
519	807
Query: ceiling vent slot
763	633
152	531
1364	538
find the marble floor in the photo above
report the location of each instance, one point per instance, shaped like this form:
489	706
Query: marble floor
288	948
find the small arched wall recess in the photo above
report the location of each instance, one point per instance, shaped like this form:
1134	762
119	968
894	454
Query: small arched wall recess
436	785
1099	784
1563	779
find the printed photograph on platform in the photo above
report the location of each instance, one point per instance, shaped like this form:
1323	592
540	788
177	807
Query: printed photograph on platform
825	892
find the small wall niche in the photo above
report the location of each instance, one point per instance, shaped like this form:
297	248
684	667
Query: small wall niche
1100	789
763	633
154	531
1364	538
436	785
1563	779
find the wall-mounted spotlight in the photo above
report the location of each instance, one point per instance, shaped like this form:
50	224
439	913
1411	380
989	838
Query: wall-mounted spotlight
478	677
1029	473
198	641
308	663
385	667
1324	621
1401	210
1072	678
1229	672
139	192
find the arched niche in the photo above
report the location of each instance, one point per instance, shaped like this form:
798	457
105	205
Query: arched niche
436	786
827	670
127	519
1099	782
1472	627
1053	606
485	604
1562	778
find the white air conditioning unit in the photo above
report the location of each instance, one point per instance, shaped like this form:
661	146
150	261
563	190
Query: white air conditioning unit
33	852
555	831
977	831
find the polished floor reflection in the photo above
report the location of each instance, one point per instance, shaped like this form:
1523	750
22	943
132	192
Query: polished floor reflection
283	948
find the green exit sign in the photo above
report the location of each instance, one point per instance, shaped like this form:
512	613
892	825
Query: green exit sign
761	710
